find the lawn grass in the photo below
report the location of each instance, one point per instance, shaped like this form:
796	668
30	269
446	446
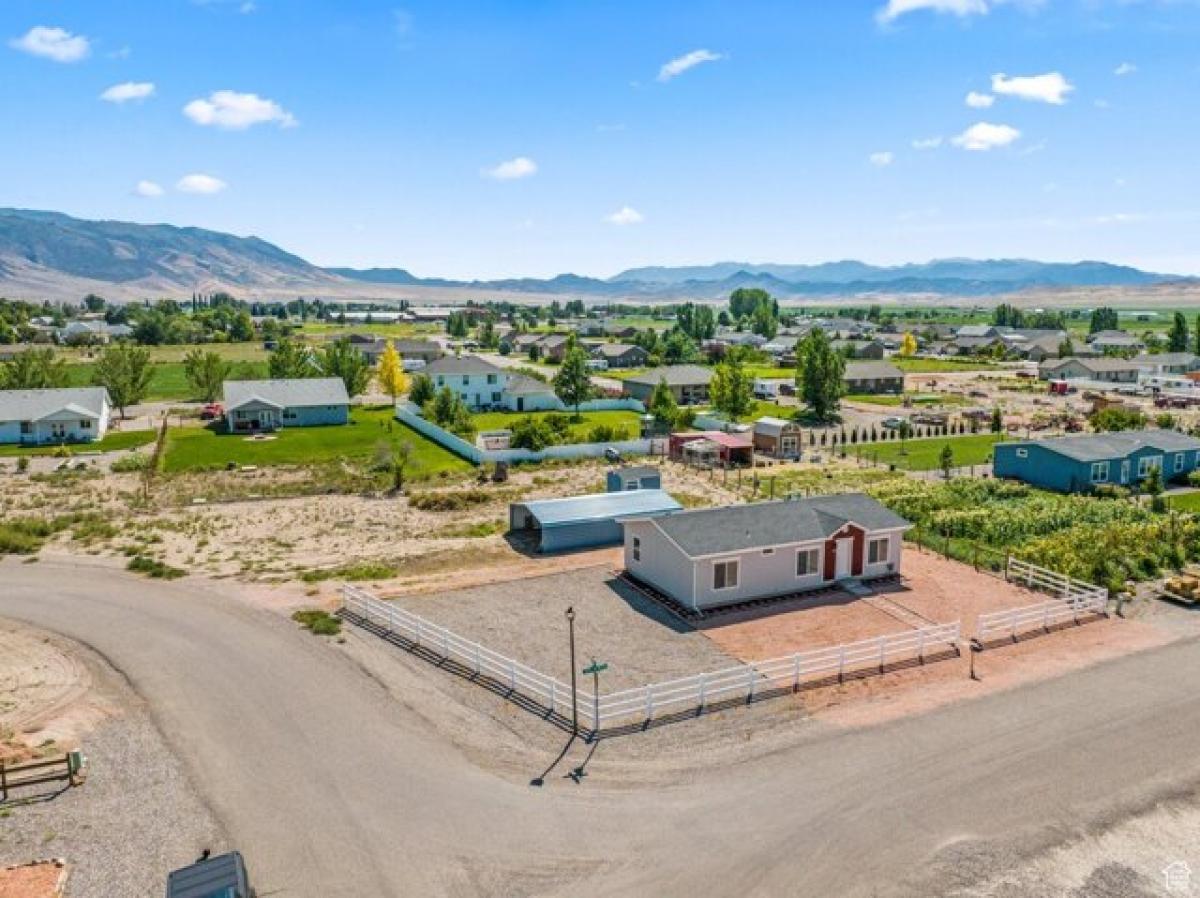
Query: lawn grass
206	448
925	454
129	439
169	381
1189	502
626	420
938	366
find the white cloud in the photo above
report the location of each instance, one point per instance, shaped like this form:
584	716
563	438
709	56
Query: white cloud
53	43
198	183
1049	88
927	143
1125	68
148	188
976	100
986	136
130	90
234	111
882	159
512	169
897	8
681	64
626	215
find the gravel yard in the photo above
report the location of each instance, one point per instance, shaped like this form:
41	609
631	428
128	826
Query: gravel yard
525	619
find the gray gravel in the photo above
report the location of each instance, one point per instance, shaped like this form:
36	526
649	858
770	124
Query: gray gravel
136	817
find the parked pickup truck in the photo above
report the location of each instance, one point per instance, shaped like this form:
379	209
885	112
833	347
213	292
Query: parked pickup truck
223	876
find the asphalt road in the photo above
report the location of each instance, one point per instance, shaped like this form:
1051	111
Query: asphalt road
333	788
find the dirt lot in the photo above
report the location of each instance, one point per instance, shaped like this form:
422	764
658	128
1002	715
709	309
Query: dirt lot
42	880
524	619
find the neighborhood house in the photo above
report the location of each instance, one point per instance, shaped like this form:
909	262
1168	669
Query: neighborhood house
873	377
1080	463
711	557
70	415
482	385
1107	370
687	383
777	438
262	405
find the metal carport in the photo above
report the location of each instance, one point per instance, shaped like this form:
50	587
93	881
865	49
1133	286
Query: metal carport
579	522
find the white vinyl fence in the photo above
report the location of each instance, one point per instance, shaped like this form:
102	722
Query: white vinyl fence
744	682
1077	600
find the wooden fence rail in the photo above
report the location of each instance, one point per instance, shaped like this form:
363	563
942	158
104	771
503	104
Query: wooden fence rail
36	773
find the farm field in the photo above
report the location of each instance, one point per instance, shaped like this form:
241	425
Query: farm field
628	421
202	448
112	442
332	331
925	454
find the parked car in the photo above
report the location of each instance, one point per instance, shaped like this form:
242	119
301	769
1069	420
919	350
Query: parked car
894	422
612	454
211	411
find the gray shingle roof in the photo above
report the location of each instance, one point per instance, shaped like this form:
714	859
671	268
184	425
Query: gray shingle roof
298	392
467	364
712	531
615	350
1103	446
675	375
32	405
871	370
1171	359
520	385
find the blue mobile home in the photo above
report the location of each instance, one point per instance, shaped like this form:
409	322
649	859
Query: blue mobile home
1075	464
639	477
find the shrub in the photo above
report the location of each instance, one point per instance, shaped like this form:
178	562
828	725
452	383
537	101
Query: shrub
23	464
359	570
450	500
532	434
322	623
135	461
152	567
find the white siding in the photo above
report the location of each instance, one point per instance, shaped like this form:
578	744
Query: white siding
759	575
662	564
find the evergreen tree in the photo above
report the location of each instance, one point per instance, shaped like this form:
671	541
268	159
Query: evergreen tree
342	359
731	387
663	406
819	374
1177	337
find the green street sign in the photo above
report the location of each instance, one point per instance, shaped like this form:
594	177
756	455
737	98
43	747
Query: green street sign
595	667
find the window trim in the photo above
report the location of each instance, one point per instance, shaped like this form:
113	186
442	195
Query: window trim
887	549
1101	467
813	555
1146	462
1022	453
724	567
1179	462
637	548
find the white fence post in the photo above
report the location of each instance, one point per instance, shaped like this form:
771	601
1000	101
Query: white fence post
841	664
419	632
796	672
882	652
512	675
753	678
476	659
649	702
703	688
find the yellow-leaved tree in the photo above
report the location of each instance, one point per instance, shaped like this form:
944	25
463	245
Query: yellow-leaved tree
908	344
391	372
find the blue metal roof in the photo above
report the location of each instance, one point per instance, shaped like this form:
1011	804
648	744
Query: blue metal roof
600	507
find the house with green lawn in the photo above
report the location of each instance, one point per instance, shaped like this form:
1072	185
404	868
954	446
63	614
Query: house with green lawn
41	417
253	406
1080	463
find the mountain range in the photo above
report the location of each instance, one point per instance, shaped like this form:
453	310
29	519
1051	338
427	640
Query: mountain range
49	255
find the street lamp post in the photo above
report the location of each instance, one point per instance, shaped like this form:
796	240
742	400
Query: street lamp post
574	690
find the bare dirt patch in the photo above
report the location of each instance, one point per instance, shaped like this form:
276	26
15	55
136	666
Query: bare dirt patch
524	619
44	879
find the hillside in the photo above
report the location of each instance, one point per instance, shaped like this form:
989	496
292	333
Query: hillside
48	255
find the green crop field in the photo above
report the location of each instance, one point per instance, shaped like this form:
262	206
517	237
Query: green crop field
112	441
925	454
205	448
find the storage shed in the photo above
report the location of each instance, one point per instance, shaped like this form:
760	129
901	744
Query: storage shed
583	522
634	477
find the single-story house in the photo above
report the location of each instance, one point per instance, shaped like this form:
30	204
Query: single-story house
1109	370
1081	462
518	342
711	448
554	346
633	477
873	377
481	384
860	349
621	355
1115	341
711	557
256	405
67	415
583	522
93	332
688	383
777	437
1167	363
424	351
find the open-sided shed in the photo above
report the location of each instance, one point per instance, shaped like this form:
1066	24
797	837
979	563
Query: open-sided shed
579	522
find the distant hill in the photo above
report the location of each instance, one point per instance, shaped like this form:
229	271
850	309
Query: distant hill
54	256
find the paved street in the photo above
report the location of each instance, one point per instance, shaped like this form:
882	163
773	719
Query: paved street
333	788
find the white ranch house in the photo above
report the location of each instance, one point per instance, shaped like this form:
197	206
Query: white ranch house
257	405
39	417
707	558
482	385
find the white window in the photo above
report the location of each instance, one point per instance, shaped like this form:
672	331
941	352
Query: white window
496	397
491	378
637	548
725	575
85	424
1022	453
807	562
441	381
1178	462
1100	472
1146	463
466	379
877	550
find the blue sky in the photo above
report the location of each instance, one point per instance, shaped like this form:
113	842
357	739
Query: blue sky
473	139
